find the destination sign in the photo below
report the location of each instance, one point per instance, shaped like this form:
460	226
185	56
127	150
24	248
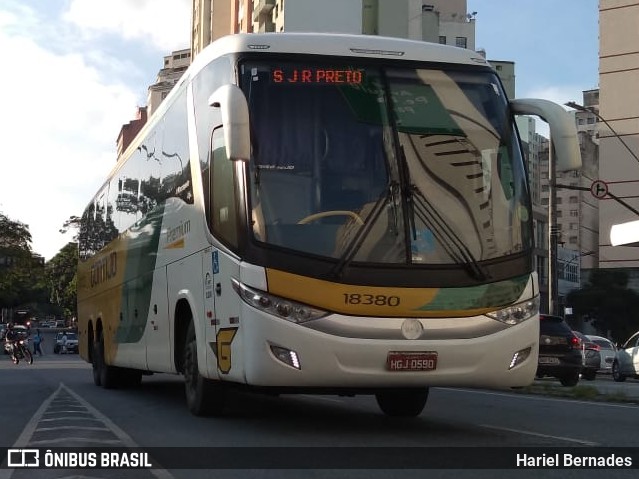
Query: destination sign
324	76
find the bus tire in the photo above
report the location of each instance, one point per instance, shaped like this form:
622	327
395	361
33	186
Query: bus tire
95	365
108	375
407	402
203	396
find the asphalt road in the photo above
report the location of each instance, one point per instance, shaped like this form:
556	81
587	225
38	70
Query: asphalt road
54	403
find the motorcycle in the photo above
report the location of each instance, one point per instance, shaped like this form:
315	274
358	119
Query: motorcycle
21	351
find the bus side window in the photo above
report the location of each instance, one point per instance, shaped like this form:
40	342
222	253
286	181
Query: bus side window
223	211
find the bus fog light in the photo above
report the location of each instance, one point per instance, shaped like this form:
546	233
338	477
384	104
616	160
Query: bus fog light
519	357
286	356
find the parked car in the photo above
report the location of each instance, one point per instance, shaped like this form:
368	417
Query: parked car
607	351
560	351
592	356
71	345
626	362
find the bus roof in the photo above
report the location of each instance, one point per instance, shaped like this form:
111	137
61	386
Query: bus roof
332	44
338	44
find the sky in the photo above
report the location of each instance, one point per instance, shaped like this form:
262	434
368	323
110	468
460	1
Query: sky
74	71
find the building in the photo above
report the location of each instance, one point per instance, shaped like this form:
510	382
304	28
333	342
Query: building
174	66
129	130
212	19
619	133
443	21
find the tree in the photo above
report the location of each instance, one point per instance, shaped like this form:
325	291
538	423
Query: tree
607	299
20	269
61	274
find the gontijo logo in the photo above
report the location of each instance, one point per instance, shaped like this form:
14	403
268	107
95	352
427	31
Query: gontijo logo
104	269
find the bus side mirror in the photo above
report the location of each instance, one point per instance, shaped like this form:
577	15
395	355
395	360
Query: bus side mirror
235	120
563	131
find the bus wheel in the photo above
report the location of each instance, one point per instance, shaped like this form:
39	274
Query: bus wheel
402	402
203	396
95	364
108	375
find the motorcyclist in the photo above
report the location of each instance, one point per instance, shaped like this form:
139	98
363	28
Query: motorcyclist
11	338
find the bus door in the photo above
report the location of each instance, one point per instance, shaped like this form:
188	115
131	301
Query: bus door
224	317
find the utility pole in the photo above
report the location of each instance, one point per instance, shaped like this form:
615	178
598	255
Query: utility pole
552	232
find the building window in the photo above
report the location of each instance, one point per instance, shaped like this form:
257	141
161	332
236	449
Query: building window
442	39
559	201
544	188
573	240
544	201
581	121
498	68
461	42
573	199
591	120
574	213
559	214
573	226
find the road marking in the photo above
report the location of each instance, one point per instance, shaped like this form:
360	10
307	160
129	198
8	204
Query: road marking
88	413
537	434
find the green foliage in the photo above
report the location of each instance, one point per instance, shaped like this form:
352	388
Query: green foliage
606	298
26	282
21	272
61	277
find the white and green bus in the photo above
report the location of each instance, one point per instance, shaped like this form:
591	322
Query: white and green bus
320	213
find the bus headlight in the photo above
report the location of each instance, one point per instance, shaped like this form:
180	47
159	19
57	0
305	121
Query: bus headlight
517	313
280	307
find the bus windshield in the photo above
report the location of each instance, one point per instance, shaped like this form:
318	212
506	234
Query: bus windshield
388	165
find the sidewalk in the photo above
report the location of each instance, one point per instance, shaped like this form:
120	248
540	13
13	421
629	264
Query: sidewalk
602	389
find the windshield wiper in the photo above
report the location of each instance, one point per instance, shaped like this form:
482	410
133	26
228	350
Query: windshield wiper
454	246
356	243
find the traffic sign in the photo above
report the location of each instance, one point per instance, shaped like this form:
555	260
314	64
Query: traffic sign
599	189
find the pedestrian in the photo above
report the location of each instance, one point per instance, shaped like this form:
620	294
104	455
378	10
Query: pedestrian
37	341
64	343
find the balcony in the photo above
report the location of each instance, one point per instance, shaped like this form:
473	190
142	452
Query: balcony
261	8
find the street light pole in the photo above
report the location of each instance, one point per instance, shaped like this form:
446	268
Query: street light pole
552	232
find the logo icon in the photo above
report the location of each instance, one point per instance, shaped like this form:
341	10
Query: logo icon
23	458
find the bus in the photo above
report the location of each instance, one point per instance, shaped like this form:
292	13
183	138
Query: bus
320	213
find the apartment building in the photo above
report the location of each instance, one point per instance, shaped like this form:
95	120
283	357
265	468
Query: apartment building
619	134
174	66
443	21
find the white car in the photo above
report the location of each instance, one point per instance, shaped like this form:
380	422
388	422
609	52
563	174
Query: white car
607	352
626	362
71	344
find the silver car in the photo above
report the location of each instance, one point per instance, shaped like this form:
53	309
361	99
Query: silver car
607	352
626	362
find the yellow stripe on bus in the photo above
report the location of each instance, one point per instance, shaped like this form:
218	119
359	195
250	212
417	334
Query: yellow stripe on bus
360	300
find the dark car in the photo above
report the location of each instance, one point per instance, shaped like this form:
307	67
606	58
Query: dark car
592	356
560	351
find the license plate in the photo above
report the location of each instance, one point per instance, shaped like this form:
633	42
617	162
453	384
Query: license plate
411	361
543	360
